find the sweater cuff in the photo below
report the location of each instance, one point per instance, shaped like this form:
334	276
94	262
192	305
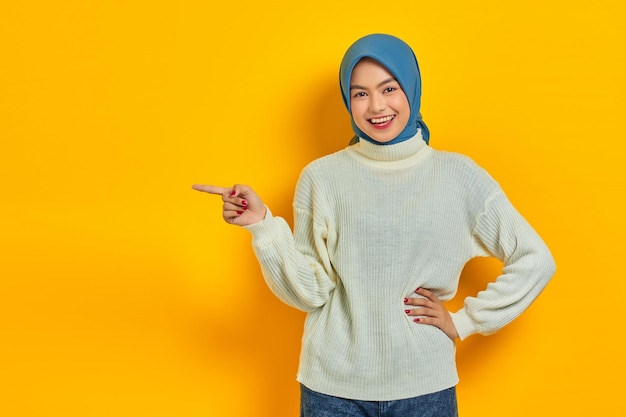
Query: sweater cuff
464	325
264	231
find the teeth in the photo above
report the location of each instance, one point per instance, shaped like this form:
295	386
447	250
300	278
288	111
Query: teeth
382	119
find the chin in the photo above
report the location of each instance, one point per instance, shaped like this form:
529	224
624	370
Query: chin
382	139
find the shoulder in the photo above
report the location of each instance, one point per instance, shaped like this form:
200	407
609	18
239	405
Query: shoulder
454	160
456	163
320	175
325	167
326	161
460	174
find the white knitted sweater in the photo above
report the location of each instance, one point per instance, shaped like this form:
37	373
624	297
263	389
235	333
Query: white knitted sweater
372	224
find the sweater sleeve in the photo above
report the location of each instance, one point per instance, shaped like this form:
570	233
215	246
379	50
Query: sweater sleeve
528	266
296	269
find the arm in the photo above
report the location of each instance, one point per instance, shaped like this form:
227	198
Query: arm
293	267
528	266
294	274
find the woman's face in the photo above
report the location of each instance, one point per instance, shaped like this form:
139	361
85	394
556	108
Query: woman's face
379	106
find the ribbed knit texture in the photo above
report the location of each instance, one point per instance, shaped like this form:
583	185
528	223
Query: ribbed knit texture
372	224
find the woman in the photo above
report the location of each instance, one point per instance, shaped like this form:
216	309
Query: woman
382	232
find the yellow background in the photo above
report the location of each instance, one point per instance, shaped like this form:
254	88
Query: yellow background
122	292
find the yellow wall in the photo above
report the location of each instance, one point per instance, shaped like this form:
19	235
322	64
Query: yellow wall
122	293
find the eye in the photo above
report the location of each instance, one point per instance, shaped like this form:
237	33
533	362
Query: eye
390	89
359	94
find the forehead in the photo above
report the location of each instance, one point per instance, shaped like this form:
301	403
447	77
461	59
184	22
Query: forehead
368	69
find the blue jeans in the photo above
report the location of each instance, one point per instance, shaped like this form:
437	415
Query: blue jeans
438	404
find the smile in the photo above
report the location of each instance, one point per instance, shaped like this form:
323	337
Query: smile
382	120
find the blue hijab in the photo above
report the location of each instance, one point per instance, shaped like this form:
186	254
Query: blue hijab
398	58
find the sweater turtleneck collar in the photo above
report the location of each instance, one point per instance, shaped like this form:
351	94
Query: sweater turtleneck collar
399	152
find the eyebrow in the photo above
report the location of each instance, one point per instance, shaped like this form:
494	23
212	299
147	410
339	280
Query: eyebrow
359	87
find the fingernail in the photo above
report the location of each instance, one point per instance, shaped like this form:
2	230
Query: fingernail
406	300
232	194
407	311
418	290
416	320
240	212
245	207
244	203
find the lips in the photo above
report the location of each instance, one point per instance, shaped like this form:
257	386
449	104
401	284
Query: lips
381	122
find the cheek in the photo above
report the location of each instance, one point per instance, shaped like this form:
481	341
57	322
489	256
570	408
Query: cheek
361	124
357	110
401	103
403	108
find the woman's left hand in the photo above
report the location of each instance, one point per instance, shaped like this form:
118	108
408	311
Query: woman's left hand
430	310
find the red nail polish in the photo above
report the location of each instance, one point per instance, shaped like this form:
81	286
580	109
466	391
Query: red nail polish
416	320
240	212
244	203
232	194
418	290
407	311
406	300
245	207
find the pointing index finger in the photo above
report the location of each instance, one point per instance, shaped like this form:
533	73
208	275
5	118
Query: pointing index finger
211	189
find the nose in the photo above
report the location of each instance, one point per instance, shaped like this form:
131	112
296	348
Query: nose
377	103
